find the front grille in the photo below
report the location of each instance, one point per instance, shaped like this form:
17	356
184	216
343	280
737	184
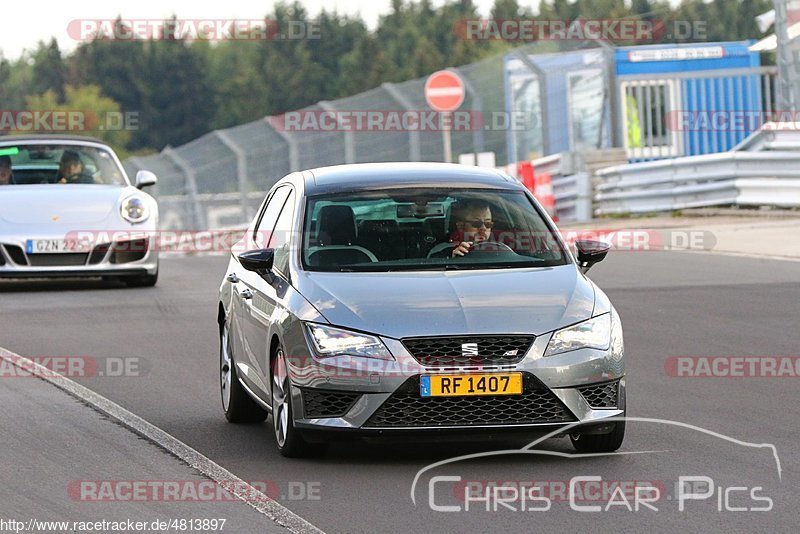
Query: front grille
15	253
70	259
128	251
405	408
323	403
2	259
447	351
98	253
601	395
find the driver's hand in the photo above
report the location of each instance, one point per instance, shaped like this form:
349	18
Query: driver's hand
462	248
62	181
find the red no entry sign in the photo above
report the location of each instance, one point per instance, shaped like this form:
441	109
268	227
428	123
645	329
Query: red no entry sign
444	91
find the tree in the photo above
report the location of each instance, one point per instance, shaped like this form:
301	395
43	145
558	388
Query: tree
118	68
99	117
178	101
5	76
506	9
363	68
242	93
49	71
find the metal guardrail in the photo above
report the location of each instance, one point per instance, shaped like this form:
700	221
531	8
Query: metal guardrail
572	181
204	211
772	136
565	188
744	178
730	178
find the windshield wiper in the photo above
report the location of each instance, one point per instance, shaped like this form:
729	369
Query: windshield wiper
393	268
508	265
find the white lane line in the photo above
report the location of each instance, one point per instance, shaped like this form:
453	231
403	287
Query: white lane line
224	478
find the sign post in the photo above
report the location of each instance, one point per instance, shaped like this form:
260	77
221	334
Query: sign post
444	92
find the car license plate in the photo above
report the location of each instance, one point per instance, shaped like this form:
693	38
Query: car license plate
467	385
54	246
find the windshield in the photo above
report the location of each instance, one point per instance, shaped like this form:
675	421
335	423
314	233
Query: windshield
426	229
57	165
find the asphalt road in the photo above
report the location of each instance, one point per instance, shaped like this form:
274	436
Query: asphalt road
671	304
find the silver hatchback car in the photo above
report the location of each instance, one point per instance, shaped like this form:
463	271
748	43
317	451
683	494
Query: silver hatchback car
380	299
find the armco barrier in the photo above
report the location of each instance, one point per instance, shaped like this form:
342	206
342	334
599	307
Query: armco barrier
770	178
206	211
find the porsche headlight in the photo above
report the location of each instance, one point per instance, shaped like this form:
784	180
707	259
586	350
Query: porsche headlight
134	210
592	334
329	342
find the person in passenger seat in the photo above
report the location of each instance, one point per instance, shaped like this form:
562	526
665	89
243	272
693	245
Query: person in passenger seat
6	177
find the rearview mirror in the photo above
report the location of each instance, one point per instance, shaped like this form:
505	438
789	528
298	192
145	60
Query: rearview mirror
591	252
258	261
145	179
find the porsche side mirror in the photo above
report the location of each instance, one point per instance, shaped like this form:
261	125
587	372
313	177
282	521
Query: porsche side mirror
145	179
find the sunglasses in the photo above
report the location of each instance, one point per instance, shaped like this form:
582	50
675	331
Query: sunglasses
477	223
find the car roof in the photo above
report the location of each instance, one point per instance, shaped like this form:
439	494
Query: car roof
366	176
48	138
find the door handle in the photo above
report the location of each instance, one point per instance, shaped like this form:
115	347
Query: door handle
246	294
232	278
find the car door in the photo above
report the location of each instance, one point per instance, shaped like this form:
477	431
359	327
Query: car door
255	313
271	296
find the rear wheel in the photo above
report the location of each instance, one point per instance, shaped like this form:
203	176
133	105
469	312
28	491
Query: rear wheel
236	402
290	443
588	443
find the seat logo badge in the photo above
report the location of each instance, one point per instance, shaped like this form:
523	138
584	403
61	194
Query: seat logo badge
469	349
511	352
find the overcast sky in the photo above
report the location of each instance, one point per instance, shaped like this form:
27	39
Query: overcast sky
30	21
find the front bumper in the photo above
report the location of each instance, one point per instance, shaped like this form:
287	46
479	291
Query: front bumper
377	397
135	257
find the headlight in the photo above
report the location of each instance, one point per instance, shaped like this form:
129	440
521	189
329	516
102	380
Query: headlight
329	342
592	334
134	210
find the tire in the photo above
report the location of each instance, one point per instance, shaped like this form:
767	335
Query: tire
591	443
288	439
237	404
146	280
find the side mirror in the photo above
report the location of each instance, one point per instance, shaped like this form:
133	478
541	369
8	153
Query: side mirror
591	252
145	179
258	261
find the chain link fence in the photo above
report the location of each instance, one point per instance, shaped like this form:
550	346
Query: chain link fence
219	179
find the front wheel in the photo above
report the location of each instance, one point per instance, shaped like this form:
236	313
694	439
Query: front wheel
593	443
145	280
290	443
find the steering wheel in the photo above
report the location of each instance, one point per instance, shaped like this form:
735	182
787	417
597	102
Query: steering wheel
80	178
491	246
